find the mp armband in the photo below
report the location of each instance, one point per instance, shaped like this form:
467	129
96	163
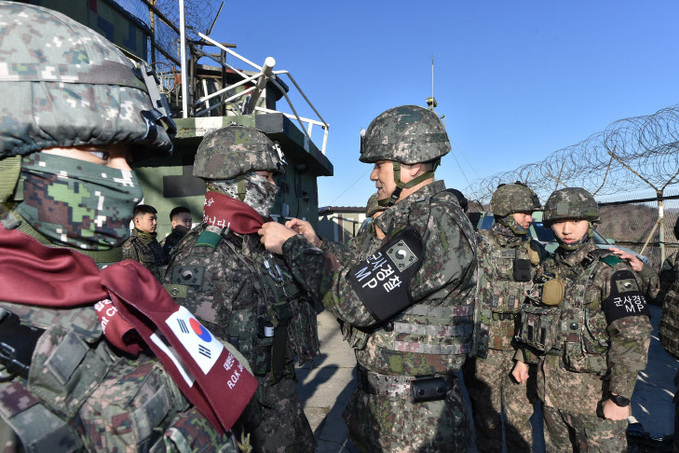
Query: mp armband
382	281
626	298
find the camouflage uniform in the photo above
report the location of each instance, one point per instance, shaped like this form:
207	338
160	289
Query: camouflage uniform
504	282
245	296
428	339
668	329
590	335
144	247
80	393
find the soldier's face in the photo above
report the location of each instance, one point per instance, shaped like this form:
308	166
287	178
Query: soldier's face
146	222
383	175
268	175
113	156
570	231
183	219
523	218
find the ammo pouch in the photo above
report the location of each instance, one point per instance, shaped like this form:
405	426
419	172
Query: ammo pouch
428	389
553	292
576	359
521	269
538	327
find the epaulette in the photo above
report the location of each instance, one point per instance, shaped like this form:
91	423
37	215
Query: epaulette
208	239
611	260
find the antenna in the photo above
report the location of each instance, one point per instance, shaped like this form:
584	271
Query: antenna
431	102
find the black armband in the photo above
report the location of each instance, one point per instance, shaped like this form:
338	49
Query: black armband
382	281
626	298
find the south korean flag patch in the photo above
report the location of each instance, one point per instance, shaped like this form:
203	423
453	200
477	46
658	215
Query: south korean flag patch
198	341
626	298
382	281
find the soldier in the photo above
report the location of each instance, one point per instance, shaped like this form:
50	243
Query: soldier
180	220
242	293
142	245
590	333
409	298
508	261
74	111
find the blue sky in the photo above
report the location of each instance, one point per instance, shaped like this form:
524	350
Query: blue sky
516	80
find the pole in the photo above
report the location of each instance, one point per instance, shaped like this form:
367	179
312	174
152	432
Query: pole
182	41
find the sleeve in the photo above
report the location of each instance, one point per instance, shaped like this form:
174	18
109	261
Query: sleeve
344	253
629	329
448	257
650	282
130	251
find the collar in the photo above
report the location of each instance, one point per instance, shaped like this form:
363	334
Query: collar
396	216
571	258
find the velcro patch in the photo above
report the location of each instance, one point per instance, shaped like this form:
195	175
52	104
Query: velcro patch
382	281
626	298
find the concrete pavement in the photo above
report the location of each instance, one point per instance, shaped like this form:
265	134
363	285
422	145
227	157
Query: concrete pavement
326	386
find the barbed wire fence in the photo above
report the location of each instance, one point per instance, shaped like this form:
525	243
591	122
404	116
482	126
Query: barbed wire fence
633	163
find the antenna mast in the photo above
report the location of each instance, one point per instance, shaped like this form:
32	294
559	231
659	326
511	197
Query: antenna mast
431	102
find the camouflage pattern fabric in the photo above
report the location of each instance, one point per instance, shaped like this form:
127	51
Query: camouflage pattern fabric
85	92
510	198
144	248
77	203
668	329
604	356
491	389
571	203
109	402
488	379
252	189
222	278
236	150
444	283
591	433
408	134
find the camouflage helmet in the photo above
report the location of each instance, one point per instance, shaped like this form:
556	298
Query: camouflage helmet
64	85
408	134
572	203
510	198
236	150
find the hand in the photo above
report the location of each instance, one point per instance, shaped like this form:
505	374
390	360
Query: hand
305	229
636	264
273	236
520	372
614	412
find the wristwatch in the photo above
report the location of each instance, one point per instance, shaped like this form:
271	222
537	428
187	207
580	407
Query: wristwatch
619	399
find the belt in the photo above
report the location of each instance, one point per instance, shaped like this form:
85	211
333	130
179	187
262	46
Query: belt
393	386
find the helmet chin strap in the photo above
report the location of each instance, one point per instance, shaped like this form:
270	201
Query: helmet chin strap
400	185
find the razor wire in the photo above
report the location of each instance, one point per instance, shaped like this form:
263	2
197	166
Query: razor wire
630	154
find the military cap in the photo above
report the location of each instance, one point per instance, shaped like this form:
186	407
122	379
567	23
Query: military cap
572	203
63	85
408	134
236	150
510	198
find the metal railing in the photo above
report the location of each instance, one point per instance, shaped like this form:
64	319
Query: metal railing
264	74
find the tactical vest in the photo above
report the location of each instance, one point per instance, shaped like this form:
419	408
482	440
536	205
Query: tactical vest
277	326
668	328
574	329
81	396
434	325
499	269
